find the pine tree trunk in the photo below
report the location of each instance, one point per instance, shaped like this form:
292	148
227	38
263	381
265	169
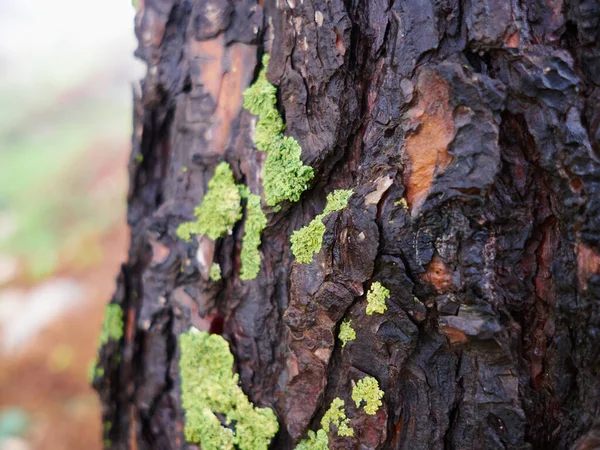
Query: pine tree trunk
469	133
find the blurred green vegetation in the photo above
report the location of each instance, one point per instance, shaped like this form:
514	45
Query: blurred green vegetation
62	173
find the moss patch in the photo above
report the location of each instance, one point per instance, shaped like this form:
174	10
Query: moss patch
220	208
256	221
308	240
218	415
376	298
285	176
367	390
346	333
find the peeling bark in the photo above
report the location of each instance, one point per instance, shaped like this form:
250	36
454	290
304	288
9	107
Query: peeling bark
470	134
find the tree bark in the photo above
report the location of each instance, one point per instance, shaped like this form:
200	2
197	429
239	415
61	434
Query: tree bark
470	134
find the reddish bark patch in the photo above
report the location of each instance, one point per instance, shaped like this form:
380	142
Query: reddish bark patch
427	149
454	335
222	75
588	262
439	274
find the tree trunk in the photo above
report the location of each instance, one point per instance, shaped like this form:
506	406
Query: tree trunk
469	134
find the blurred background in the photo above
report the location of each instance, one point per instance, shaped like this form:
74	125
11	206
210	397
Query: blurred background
66	69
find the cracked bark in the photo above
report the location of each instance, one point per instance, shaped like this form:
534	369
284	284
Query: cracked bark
481	115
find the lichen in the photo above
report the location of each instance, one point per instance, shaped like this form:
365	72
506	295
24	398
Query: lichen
220	208
376	298
218	415
256	221
336	416
112	330
367	390
308	240
112	327
285	176
215	272
315	441
346	333
402	203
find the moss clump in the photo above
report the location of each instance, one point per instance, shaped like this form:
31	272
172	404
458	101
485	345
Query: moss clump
308	240
367	390
220	208
218	415
215	272
285	176
376	298
336	416
256	221
346	333
112	327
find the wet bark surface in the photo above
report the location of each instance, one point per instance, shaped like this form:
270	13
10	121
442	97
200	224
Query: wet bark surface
481	115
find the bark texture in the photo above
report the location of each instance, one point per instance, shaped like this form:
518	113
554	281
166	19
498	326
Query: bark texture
469	131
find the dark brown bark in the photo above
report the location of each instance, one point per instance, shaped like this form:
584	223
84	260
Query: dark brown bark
482	115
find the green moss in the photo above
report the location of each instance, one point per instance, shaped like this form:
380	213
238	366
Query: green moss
367	390
336	416
315	441
218	415
215	272
256	221
376	298
184	169
285	176
112	327
220	208
346	333
308	240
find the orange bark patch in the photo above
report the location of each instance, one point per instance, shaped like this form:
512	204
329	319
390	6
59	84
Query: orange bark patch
427	150
588	262
223	74
233	83
454	335
438	273
513	40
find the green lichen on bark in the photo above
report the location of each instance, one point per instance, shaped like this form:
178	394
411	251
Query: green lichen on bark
285	176
315	441
336	416
256	221
308	240
346	333
215	272
218	415
220	208
376	298
367	390
112	330
112	327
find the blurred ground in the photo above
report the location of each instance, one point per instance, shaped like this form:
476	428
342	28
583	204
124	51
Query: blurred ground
65	124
